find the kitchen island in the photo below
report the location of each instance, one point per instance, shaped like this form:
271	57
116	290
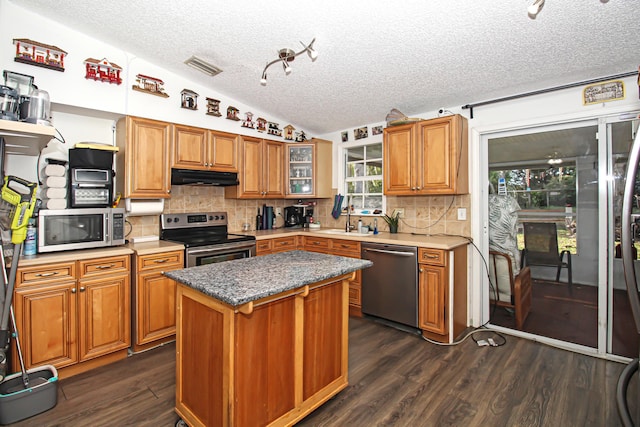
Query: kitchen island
261	341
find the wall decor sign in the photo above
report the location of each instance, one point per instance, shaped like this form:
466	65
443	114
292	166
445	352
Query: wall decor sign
262	124
360	133
274	129
150	85
612	90
213	107
301	136
102	70
288	132
376	130
248	121
232	113
345	136
189	99
39	54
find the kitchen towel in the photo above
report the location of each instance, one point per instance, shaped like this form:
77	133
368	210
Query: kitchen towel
56	182
337	206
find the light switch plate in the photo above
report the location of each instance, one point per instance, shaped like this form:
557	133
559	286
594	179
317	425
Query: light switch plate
398	211
462	214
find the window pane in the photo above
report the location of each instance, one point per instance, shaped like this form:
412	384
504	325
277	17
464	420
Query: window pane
374	151
373	202
355	154
359	169
374	167
351	170
374	186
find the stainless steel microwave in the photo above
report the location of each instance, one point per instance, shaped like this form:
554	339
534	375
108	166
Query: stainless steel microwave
85	228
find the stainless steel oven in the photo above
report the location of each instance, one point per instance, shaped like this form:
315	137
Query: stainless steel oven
206	238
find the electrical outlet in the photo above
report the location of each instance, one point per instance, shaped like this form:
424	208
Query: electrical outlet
278	212
462	214
398	211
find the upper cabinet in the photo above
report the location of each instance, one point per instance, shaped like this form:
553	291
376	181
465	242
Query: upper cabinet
261	170
429	157
25	138
308	169
143	160
202	149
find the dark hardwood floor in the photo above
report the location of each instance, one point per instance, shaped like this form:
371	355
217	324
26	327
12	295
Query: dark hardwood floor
395	379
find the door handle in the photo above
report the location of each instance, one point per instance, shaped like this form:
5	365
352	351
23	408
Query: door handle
398	253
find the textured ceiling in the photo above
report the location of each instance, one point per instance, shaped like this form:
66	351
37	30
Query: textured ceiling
413	55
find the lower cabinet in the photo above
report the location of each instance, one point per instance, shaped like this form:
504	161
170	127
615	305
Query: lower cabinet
348	248
154	299
278	244
442	293
73	315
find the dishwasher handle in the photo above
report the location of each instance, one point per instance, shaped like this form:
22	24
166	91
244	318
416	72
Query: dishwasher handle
398	253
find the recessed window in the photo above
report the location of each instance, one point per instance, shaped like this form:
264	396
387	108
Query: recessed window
363	177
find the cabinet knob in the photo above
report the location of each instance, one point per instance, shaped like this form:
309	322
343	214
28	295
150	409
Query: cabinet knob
418	188
82	288
420	270
73	290
413	188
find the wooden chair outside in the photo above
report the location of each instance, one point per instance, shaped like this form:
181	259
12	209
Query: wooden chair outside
541	248
510	291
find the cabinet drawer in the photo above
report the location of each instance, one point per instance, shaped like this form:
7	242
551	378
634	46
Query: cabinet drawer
263	246
104	266
283	244
163	261
350	248
40	274
432	256
316	244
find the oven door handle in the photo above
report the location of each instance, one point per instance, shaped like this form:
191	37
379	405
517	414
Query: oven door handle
220	248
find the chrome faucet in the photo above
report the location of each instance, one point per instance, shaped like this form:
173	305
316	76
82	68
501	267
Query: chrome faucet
348	227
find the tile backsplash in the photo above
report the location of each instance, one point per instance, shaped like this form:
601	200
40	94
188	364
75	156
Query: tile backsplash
423	214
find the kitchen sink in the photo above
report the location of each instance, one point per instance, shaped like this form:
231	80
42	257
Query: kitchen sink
340	232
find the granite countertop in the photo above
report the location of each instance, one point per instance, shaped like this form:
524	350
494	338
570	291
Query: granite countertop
249	279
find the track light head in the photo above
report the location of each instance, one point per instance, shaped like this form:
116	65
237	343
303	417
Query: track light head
285	56
534	8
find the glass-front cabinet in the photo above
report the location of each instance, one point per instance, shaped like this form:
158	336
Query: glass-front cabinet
309	169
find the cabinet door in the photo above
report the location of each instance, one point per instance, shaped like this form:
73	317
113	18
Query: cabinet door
442	154
432	297
189	147
300	170
146	163
103	315
223	155
251	173
399	160
273	172
46	320
155	307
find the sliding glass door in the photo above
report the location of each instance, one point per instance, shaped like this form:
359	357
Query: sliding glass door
561	186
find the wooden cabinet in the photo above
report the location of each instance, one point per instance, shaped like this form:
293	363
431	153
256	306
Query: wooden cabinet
153	299
442	293
73	315
279	244
429	157
261	168
348	248
202	149
143	162
309	169
270	364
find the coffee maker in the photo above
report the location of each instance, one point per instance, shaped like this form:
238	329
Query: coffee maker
297	215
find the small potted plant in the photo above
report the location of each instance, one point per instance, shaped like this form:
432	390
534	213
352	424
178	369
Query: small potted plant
392	221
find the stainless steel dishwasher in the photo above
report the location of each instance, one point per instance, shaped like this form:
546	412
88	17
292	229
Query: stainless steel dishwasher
390	286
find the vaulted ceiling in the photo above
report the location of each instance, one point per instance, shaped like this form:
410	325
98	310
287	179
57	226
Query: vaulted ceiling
373	55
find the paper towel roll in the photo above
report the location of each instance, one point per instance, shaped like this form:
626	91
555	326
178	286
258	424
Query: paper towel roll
139	207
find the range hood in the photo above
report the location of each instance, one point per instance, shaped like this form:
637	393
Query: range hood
195	177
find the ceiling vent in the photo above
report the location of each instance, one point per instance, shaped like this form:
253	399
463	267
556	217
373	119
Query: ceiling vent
203	66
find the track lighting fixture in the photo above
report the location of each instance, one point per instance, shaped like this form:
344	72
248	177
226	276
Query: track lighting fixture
285	56
534	8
